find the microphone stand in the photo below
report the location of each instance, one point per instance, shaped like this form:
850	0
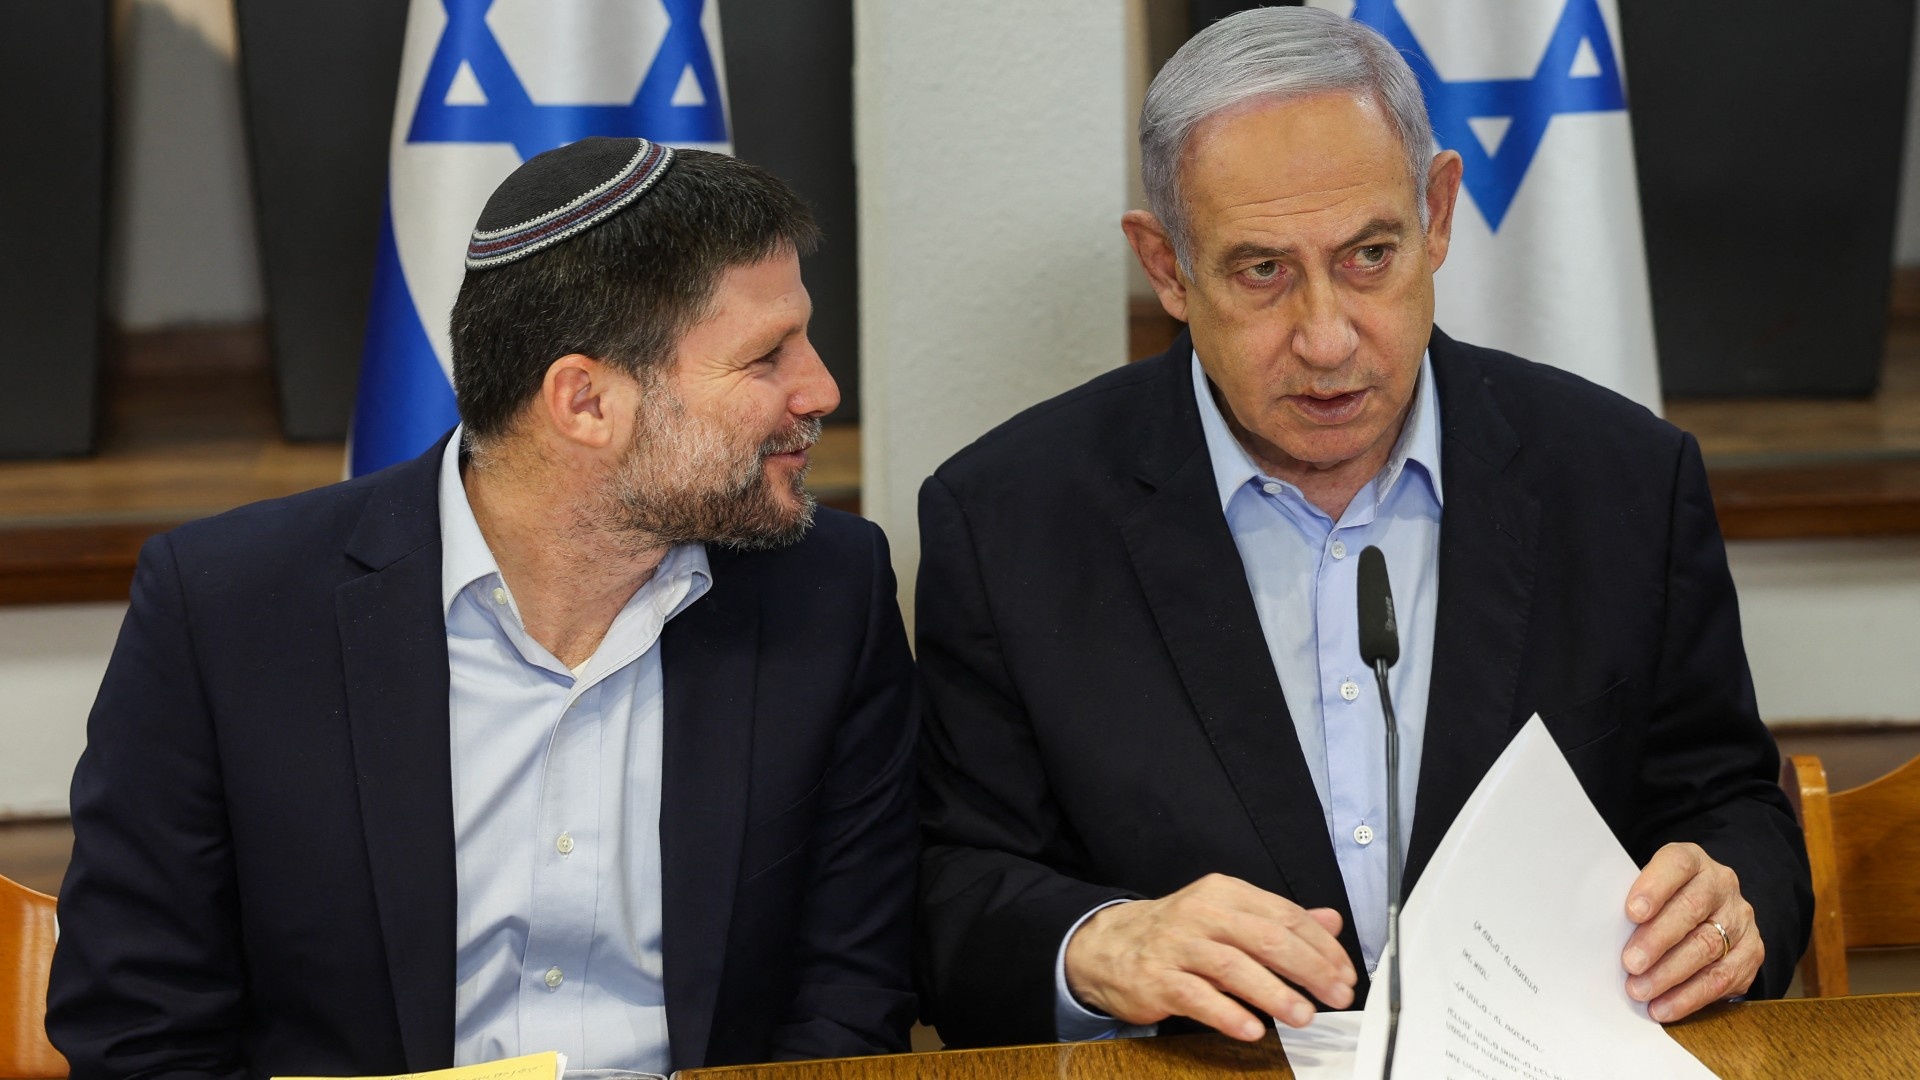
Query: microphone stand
1380	666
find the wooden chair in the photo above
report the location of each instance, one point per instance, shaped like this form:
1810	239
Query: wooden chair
26	954
1864	846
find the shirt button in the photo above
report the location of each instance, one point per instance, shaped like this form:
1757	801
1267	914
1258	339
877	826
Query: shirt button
499	596
1349	689
1339	550
1363	835
554	977
1270	488
564	845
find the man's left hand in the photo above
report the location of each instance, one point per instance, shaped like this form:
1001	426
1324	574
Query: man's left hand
1677	961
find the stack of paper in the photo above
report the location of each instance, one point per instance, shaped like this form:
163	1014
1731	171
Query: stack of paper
1510	948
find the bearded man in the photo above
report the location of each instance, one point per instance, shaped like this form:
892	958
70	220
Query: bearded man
583	731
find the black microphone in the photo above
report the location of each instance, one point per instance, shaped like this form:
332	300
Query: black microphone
1380	648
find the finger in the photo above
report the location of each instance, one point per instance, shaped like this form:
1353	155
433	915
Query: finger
1234	972
1700	949
1328	918
1715	982
1298	948
1276	915
1670	868
1193	997
1707	893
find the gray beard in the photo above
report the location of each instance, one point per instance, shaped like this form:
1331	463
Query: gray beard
683	481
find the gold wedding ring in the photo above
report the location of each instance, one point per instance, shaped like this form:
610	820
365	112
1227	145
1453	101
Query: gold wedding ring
1726	943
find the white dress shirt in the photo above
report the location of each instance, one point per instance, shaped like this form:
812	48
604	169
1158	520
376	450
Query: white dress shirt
556	814
1302	569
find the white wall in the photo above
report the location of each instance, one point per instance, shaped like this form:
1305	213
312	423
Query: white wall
990	141
180	244
51	659
1832	626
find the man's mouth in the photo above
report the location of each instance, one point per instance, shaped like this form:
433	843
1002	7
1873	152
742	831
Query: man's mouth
792	449
1325	408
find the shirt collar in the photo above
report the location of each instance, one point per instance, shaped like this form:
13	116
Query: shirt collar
465	557
1419	440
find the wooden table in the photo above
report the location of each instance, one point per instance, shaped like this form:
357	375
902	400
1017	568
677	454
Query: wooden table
1861	1038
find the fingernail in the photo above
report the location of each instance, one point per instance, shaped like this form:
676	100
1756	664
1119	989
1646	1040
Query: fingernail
1640	907
1661	1012
1342	995
1637	988
1299	1014
1636	961
1252	1030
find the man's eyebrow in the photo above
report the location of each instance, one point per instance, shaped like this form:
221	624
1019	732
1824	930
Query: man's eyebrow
1377	229
774	339
1249	251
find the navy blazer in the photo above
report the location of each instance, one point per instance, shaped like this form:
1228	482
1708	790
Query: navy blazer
263	869
1103	718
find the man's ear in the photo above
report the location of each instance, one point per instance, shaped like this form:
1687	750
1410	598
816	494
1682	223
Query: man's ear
1443	191
582	401
1155	251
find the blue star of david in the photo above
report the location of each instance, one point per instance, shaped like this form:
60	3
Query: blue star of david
510	116
1493	179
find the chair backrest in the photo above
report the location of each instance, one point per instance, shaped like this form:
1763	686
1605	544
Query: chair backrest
26	954
1864	847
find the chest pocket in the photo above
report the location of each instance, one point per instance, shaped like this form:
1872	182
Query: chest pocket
1591	720
774	841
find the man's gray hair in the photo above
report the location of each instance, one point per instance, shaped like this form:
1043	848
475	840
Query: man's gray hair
1271	54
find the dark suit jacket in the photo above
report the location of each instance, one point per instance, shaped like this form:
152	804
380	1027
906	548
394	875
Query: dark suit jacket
263	868
1104	720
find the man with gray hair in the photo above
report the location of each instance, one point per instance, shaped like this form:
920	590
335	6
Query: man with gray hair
1153	761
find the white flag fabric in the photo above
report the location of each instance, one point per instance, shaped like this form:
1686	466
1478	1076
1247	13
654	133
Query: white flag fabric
1548	260
484	85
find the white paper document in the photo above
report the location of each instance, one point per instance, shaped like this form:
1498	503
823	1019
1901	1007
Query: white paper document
1510	944
1323	1050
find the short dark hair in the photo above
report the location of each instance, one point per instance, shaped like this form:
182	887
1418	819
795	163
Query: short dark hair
622	292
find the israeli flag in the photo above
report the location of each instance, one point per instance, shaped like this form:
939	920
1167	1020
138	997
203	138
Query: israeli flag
1548	260
484	85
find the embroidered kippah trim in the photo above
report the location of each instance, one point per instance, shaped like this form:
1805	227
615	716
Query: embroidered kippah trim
492	248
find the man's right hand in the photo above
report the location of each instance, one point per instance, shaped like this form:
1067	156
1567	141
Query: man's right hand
1181	955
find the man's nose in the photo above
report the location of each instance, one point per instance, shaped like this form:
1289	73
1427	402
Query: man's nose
1324	337
814	393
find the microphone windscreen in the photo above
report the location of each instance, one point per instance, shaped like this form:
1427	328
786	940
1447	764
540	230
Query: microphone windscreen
1379	635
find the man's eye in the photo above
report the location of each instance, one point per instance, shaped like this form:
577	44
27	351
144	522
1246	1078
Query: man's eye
1371	255
1265	271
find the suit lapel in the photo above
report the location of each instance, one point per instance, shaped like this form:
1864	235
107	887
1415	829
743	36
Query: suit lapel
707	656
1488	541
394	650
1195	585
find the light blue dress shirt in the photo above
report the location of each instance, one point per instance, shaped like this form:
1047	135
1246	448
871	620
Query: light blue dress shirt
1302	568
556	814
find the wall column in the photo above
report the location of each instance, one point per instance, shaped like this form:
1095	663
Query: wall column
991	147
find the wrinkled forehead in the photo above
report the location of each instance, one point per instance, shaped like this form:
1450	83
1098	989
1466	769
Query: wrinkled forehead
1327	159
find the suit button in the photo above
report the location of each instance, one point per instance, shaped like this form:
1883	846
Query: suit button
1363	835
554	977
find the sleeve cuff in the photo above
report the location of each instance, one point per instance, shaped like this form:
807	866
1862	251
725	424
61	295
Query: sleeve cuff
1074	1022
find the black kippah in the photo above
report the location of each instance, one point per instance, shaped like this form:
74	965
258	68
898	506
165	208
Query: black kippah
562	193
